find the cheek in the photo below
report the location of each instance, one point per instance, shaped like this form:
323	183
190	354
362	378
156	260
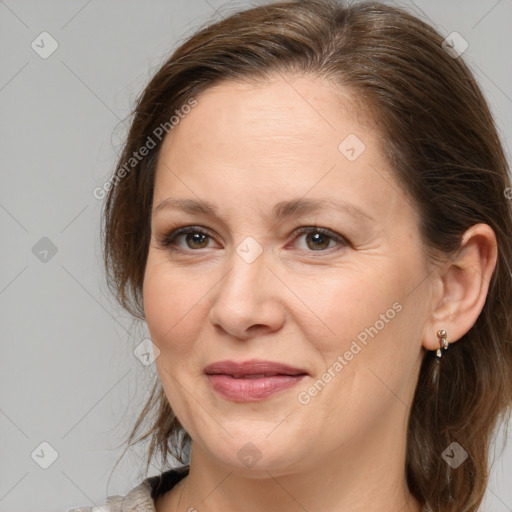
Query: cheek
339	305
173	311
367	318
172	303
367	356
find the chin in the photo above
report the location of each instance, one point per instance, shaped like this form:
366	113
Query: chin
256	458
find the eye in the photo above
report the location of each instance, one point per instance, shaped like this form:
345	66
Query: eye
320	239
195	238
317	239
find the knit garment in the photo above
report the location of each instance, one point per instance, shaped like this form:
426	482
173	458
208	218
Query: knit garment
142	497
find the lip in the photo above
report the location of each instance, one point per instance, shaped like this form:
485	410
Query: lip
249	381
251	367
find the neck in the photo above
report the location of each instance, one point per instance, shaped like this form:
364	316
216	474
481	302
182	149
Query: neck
364	475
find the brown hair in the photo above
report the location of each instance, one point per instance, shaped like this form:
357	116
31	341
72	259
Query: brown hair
441	141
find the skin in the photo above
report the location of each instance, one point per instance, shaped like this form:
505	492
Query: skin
246	147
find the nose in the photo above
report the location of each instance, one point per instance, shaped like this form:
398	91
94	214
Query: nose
248	300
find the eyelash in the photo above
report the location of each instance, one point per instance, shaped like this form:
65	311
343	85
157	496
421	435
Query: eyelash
167	241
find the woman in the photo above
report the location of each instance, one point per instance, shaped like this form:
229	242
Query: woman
311	215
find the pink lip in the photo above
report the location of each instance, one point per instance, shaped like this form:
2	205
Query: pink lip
231	379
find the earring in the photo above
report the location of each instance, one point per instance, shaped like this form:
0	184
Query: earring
441	334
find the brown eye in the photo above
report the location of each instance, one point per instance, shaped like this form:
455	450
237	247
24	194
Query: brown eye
320	239
194	238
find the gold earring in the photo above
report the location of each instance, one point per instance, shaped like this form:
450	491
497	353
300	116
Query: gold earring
441	334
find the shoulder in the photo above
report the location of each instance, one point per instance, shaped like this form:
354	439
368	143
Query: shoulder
142	497
137	500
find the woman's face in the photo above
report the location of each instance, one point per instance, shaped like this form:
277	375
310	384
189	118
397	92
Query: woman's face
339	291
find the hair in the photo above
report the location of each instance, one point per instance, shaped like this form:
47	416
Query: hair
440	139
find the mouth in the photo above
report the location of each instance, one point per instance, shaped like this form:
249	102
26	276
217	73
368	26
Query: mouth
253	368
259	375
249	381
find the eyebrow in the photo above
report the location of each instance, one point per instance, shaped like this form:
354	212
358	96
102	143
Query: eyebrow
280	211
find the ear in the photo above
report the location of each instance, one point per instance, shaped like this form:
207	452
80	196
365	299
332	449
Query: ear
463	284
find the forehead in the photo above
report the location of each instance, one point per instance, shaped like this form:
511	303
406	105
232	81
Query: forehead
282	138
291	108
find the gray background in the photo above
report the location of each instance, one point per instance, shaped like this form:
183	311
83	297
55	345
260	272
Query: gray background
68	375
